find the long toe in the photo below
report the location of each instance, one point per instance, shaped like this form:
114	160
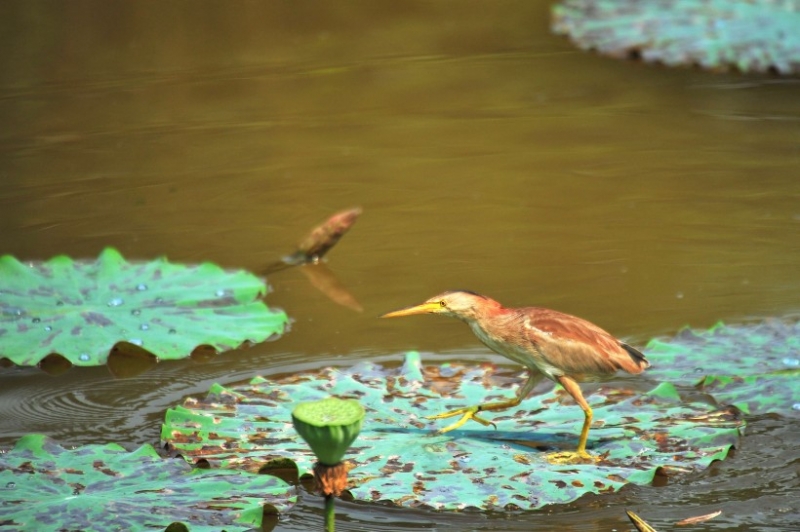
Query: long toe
452	413
470	412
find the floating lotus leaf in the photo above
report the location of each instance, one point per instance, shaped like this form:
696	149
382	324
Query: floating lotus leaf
104	487
751	35
82	309
754	367
398	458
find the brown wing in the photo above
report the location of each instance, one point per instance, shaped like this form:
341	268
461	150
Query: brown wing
578	347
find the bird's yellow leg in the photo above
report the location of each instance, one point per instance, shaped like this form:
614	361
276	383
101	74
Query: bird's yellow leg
471	412
580	455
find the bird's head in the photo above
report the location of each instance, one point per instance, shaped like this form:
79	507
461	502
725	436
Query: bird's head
461	304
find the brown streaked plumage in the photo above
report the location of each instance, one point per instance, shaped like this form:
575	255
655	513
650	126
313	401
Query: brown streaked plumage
564	348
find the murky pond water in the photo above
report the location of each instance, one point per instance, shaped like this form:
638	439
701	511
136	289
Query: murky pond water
487	154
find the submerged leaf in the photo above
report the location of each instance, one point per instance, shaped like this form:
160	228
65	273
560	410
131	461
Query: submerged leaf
751	35
104	487
82	309
399	458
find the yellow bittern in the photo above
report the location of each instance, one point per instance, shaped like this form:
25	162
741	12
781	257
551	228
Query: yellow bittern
566	349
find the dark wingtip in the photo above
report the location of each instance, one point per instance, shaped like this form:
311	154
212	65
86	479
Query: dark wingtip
636	355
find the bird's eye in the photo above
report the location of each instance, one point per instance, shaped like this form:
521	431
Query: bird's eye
442	303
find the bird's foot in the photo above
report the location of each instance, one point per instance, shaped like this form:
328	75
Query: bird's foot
467	413
571	457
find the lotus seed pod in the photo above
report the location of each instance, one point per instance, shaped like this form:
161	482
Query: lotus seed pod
329	426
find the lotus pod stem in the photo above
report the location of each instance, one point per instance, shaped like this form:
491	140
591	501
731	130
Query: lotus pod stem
329	427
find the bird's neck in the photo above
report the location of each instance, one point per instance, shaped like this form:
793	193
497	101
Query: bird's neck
489	310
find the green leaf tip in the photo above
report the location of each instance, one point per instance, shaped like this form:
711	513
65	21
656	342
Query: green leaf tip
329	426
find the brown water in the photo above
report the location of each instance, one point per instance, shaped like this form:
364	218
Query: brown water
487	154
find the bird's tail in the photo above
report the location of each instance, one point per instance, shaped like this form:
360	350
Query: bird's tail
636	355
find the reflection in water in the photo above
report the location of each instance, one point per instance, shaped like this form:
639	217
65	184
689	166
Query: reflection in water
488	153
323	279
128	360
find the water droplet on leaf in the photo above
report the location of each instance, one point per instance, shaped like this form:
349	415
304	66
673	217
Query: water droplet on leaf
36	320
136	312
792	362
48	328
136	341
159	300
84	357
116	302
11	485
141	287
220	293
144	327
796	406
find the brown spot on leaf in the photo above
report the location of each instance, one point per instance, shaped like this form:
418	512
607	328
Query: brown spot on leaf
25	467
95	318
100	466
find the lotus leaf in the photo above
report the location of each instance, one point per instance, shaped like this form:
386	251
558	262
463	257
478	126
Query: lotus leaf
104	487
399	458
82	309
753	367
751	35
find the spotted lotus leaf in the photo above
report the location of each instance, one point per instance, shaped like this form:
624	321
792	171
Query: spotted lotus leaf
753	367
398	457
752	35
44	486
82	309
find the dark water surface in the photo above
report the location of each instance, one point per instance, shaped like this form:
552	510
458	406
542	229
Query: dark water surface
487	154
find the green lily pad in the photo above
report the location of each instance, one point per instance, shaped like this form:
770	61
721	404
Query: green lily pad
754	367
104	487
751	35
398	457
82	309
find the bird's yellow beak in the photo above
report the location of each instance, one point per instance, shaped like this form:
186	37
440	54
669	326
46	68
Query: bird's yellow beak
424	308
